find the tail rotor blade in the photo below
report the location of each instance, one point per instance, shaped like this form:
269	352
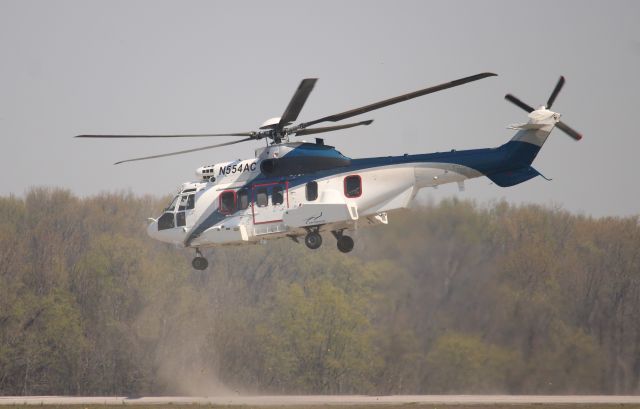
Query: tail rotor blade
555	92
519	103
569	131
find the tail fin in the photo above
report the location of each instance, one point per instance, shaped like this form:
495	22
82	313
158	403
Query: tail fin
523	148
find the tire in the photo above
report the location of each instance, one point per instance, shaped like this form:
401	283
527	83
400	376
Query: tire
313	240
345	244
200	263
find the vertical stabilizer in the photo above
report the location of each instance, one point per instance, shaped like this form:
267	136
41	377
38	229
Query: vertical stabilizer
523	148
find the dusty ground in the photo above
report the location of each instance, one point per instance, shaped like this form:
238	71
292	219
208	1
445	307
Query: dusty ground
329	402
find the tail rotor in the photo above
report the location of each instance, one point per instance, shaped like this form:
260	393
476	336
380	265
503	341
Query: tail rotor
561	125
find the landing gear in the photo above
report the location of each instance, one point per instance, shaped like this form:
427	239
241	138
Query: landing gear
199	262
313	240
345	243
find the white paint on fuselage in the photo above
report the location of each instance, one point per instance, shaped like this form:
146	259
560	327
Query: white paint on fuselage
227	172
384	189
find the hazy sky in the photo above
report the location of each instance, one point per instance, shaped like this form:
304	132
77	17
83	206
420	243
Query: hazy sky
71	67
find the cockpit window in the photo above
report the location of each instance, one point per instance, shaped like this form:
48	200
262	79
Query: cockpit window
181	219
186	202
166	221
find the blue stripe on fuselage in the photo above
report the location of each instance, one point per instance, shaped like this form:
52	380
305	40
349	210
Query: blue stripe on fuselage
510	156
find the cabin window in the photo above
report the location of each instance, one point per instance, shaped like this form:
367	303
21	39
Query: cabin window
180	219
166	221
312	191
262	199
353	186
243	199
276	195
228	202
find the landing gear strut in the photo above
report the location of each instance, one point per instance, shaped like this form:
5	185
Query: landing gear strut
345	243
199	262
313	239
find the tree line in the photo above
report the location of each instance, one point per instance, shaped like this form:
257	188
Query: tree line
451	297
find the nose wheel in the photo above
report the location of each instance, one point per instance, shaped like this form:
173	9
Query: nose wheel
199	262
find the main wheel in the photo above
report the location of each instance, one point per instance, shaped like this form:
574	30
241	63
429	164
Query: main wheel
313	240
200	263
345	244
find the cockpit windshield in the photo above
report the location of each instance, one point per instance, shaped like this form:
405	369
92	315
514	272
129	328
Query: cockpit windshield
172	205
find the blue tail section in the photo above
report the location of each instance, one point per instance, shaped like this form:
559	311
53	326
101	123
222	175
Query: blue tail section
519	154
506	165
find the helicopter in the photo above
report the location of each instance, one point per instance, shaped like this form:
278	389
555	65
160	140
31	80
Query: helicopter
298	190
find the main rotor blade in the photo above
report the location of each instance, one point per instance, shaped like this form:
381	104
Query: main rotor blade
185	151
519	103
569	131
311	131
297	101
168	136
395	100
555	92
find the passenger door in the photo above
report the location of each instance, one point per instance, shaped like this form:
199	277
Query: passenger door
269	202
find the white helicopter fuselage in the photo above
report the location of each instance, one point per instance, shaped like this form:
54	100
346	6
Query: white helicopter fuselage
236	203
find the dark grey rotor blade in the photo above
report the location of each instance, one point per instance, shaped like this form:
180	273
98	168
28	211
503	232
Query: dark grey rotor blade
297	101
519	103
168	136
311	131
555	92
185	151
395	100
569	131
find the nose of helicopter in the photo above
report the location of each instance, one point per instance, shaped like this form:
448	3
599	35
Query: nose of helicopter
152	229
168	235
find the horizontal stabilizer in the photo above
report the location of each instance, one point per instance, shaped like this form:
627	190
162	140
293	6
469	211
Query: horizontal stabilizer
513	177
525	126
